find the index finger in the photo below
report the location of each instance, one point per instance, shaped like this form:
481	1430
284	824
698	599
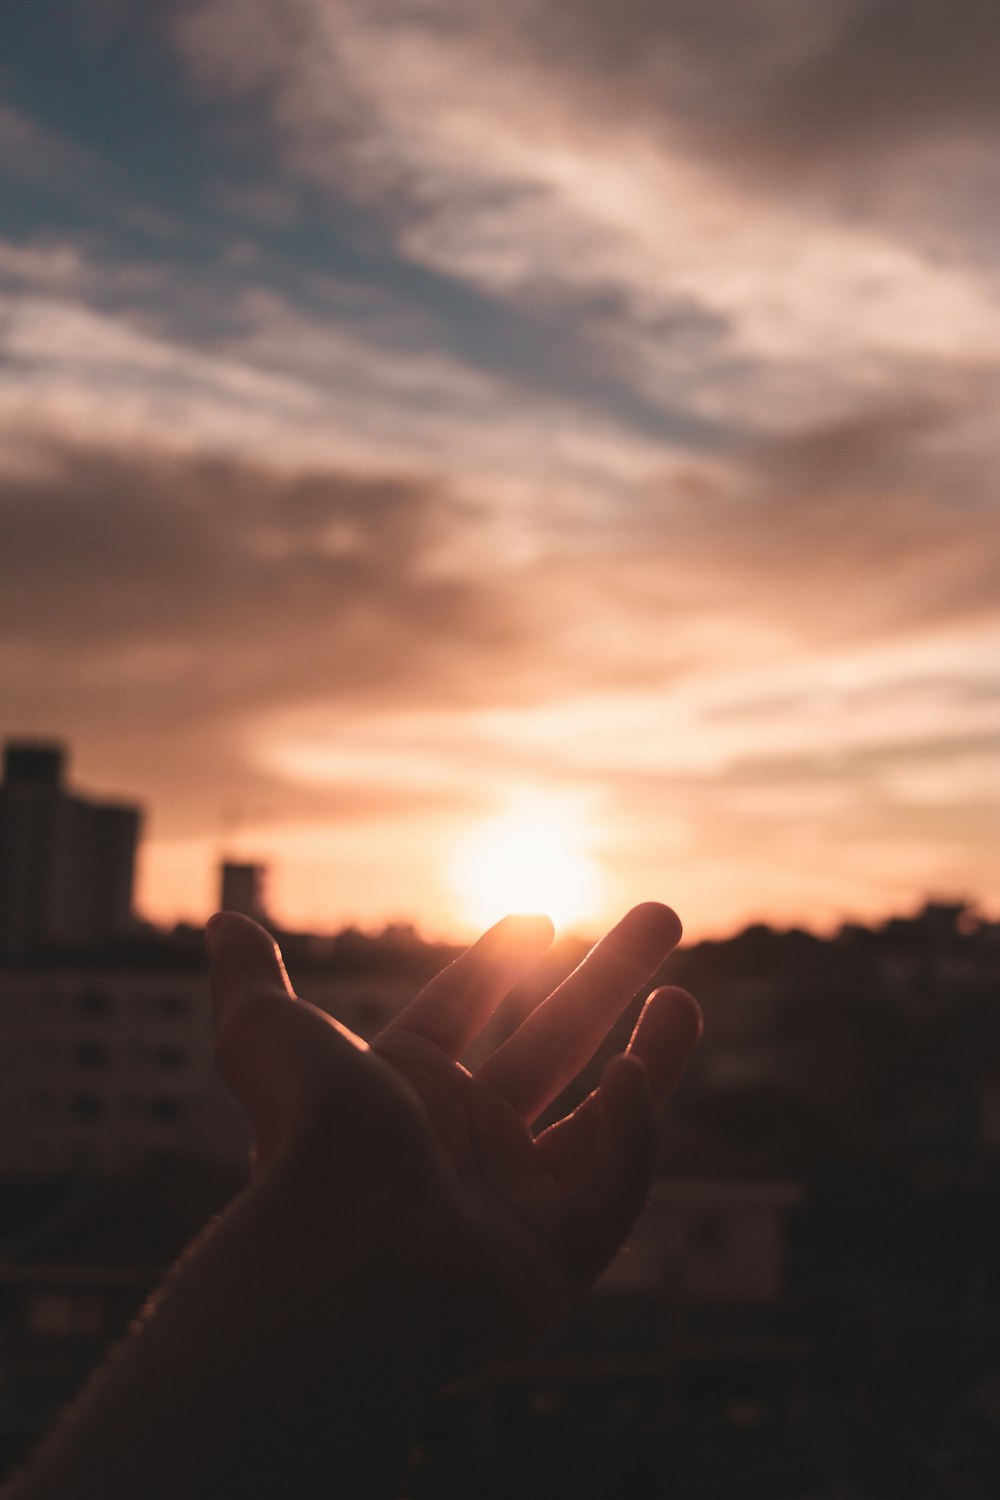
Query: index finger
460	1000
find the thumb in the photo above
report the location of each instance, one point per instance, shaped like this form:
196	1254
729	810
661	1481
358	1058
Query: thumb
269	1045
244	959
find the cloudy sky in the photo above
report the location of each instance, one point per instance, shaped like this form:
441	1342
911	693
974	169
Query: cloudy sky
420	414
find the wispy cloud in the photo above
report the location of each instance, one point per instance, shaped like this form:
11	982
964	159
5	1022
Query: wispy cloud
37	154
487	157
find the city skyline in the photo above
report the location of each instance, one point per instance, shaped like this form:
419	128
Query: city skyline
418	421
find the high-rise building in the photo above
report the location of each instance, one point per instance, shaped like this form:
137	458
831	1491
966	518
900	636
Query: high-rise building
242	889
66	862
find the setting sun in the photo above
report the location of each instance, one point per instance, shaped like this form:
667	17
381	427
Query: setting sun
533	858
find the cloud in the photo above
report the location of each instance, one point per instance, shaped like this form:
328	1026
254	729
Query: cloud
361	387
40	264
894	69
151	549
545	177
37	154
871	529
549	395
164	588
163	602
855	527
703	675
802	82
265	205
799	534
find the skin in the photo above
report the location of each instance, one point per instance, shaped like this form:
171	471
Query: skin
403	1224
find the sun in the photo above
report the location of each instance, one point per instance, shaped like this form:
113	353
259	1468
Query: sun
531	859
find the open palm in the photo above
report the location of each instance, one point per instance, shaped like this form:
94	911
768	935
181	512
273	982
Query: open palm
476	1227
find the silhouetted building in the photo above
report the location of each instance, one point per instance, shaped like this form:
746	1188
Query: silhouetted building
106	1057
66	862
108	1061
242	889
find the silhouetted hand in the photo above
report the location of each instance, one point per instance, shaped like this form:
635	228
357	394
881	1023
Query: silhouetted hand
402	1225
394	1156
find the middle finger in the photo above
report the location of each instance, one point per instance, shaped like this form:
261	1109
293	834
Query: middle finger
551	1046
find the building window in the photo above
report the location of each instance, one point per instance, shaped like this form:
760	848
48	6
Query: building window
94	1003
164	1109
169	1058
90	1054
173	1006
708	1234
87	1108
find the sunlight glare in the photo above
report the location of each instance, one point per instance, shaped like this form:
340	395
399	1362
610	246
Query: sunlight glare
532	859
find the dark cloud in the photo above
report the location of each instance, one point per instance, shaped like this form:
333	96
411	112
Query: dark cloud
897	69
861	528
264	587
859	533
787	85
159	600
105	546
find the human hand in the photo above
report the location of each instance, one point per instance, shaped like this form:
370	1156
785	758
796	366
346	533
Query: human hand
402	1225
396	1166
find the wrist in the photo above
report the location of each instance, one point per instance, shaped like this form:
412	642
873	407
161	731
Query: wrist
247	1367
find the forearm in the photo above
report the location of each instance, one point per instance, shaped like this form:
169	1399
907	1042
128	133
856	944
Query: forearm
217	1394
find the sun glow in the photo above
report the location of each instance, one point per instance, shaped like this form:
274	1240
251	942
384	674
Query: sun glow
534	858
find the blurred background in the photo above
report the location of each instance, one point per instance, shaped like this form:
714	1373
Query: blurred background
413	412
458	458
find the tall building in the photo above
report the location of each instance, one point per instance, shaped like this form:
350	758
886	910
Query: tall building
66	862
242	889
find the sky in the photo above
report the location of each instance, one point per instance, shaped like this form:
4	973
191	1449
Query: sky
445	444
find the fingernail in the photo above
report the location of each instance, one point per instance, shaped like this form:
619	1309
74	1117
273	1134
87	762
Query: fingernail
213	932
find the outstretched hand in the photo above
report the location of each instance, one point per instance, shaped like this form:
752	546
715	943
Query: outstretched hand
475	1231
403	1223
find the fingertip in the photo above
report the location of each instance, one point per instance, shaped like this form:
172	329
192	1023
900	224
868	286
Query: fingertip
651	929
666	1034
537	926
534	923
656	914
214	934
225	928
683	1012
244	958
522	929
